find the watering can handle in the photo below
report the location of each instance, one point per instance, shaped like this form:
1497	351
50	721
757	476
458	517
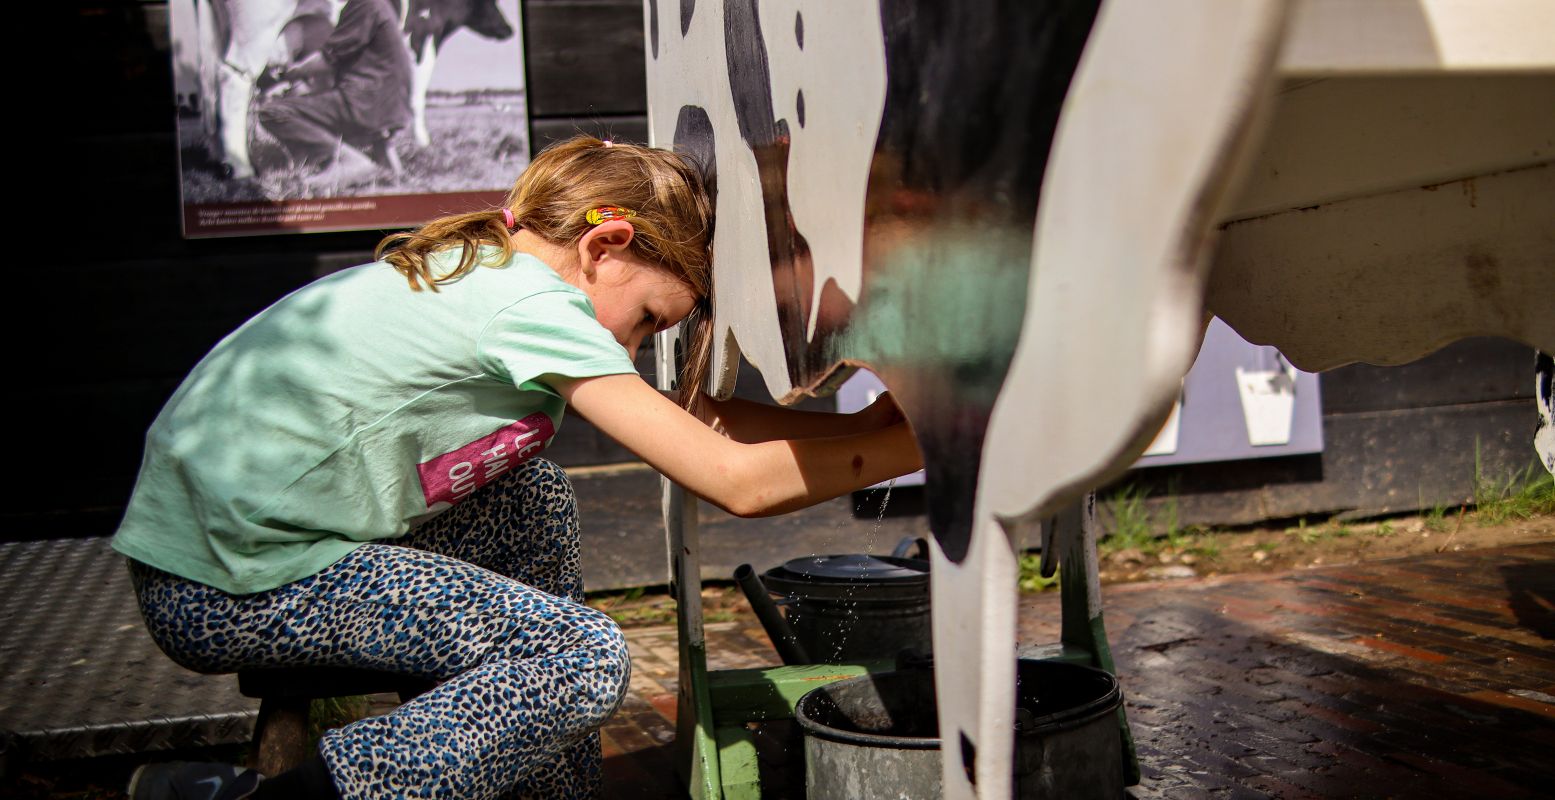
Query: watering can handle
906	544
783	637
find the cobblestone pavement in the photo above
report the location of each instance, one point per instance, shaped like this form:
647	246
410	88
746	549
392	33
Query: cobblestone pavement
1419	677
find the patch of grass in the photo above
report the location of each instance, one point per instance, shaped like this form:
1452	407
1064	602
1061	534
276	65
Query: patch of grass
1205	546
1435	518
1385	529
643	616
1176	537
641	607
1031	580
463	157
1306	533
1521	495
1134	526
632	608
1131	524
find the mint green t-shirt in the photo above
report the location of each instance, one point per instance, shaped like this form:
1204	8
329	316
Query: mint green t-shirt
351	410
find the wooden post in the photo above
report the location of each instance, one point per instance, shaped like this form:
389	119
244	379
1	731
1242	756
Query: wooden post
698	759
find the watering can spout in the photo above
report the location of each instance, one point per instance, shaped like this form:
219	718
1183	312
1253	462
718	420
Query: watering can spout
778	629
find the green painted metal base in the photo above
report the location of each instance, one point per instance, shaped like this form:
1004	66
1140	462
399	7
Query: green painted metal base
737	764
715	708
1083	631
753	695
742	696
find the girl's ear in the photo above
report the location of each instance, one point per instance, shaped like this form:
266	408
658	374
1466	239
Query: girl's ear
607	239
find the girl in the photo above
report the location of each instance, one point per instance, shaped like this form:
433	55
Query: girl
348	480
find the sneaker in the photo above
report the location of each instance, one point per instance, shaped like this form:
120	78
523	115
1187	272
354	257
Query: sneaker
183	780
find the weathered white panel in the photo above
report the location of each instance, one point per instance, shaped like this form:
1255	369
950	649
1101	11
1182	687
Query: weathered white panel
1354	36
1352	136
973	606
1390	278
1544	398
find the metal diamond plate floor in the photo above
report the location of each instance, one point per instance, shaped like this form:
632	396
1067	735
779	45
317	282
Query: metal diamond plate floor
79	676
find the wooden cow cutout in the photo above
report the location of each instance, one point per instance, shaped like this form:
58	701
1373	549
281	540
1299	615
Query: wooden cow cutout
896	187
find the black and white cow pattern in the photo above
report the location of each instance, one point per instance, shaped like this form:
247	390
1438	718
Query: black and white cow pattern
428	24
889	148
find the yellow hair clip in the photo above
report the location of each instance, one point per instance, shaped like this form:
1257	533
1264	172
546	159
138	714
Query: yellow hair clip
607	213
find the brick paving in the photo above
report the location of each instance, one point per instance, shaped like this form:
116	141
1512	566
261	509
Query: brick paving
639	754
1421	677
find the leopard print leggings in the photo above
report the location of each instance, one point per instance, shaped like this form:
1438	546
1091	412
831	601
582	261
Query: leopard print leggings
485	598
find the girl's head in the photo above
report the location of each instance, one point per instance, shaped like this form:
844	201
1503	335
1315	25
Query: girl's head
671	222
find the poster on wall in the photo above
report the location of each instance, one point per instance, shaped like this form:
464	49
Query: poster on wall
325	115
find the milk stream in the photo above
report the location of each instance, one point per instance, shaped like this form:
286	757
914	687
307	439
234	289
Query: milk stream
869	549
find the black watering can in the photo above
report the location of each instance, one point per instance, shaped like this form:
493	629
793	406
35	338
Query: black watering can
844	608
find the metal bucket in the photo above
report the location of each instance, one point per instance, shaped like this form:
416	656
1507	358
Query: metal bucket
855	607
877	735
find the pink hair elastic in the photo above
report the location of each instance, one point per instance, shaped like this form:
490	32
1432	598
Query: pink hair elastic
507	218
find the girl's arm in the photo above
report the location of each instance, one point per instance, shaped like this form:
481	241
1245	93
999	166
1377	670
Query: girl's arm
748	422
745	479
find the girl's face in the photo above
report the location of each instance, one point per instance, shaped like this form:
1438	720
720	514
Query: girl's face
632	298
635	301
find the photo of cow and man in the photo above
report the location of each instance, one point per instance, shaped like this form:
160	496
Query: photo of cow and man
308	115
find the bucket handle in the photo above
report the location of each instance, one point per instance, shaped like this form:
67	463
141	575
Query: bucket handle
905	546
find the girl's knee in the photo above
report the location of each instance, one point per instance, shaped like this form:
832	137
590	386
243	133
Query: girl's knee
608	656
547	486
572	631
607	640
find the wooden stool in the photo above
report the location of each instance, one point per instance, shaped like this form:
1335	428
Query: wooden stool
281	733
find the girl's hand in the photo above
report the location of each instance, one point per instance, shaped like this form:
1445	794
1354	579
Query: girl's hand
748	422
882	413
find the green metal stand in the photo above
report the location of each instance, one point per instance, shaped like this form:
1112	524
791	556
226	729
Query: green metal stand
717	758
718	749
1083	637
718	752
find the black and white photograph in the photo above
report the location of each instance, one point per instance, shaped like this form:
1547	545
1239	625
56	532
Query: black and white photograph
316	115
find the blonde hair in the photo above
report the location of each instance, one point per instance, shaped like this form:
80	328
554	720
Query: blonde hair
672	221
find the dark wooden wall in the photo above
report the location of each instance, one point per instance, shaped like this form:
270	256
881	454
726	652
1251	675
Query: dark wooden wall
115	306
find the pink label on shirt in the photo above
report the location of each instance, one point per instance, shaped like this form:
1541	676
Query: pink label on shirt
451	476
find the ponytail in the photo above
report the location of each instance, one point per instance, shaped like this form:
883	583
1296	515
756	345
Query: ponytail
409	252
